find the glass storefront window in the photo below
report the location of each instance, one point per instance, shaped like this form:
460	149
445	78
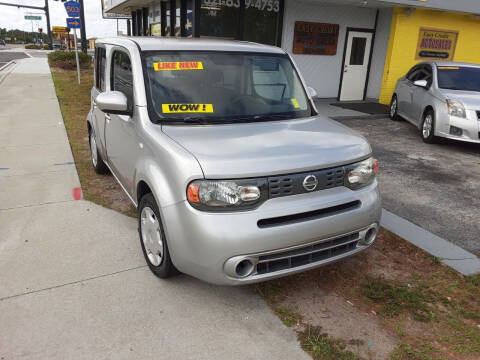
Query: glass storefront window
177	18
189	19
167	18
220	18
261	21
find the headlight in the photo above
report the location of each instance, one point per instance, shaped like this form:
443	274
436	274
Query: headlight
227	195
456	108
361	174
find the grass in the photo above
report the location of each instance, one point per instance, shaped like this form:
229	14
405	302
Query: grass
74	100
322	347
396	298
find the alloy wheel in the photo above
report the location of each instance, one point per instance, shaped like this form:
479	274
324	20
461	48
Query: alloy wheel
427	126
393	107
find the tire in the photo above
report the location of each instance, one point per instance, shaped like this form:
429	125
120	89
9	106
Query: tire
97	161
427	130
152	238
393	109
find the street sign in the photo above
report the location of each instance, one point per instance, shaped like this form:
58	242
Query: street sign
74	23
33	17
73	8
60	30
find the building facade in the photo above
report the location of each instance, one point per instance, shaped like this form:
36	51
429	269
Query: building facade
346	49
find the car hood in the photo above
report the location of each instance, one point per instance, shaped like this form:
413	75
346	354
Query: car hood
470	99
269	148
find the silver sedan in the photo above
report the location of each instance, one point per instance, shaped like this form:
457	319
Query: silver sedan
442	99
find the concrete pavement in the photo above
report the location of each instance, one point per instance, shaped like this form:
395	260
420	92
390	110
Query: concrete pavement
73	282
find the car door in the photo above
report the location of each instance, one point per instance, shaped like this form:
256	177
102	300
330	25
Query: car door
99	87
121	137
420	95
406	95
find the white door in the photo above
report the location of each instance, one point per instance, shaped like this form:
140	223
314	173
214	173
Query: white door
355	68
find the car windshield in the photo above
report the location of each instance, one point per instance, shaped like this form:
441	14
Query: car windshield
459	78
191	86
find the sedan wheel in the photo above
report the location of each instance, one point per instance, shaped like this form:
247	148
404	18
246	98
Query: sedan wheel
428	127
393	113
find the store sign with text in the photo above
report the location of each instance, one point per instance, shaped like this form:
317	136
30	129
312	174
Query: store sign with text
434	44
315	38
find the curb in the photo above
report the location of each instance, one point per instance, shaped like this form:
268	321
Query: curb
9	66
361	117
450	254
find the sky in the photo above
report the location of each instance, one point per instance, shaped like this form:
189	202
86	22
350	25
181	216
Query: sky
96	26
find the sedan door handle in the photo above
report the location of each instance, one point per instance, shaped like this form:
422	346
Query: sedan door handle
107	117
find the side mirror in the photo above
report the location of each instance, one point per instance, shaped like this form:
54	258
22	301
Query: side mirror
113	102
312	92
421	83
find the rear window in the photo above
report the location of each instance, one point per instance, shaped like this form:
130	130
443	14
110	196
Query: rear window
459	78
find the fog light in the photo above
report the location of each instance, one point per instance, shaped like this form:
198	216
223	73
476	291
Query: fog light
456	131
244	268
369	235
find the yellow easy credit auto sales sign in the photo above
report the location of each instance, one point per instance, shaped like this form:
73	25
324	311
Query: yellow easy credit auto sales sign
434	44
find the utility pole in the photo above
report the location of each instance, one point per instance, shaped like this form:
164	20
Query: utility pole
83	32
49	32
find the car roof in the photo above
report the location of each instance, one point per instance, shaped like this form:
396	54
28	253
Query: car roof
153	43
454	63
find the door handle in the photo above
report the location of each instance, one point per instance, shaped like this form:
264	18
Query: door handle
107	117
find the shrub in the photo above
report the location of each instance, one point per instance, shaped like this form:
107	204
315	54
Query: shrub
36	47
66	60
45	46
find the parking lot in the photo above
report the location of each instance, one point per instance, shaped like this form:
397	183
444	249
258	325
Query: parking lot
433	186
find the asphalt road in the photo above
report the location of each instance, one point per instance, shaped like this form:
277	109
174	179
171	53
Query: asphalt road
6	56
433	186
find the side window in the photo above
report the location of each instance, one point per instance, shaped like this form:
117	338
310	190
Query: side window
122	77
100	61
413	73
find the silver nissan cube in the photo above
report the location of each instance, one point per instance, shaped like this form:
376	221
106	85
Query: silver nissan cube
236	177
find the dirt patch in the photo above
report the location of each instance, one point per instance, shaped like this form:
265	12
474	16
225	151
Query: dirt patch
392	301
101	189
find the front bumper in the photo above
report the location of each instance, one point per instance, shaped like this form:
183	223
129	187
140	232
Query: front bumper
205	244
463	129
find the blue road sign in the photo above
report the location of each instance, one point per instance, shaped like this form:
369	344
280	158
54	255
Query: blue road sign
73	8
74	23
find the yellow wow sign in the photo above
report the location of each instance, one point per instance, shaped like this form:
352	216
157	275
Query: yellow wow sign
187	108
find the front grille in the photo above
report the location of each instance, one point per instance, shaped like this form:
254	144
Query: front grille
285	185
307	255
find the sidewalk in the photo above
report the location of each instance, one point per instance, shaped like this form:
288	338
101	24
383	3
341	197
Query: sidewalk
73	282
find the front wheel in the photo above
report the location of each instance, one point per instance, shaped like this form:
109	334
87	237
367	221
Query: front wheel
393	113
97	161
428	127
152	238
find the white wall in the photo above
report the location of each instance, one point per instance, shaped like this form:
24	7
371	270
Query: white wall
379	53
320	71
